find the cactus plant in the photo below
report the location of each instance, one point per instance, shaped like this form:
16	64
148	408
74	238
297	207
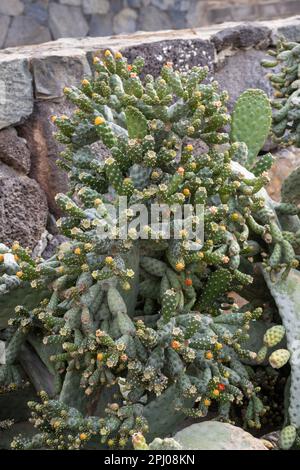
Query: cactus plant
141	323
250	125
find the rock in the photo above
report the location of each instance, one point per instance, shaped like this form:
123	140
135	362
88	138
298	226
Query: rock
101	25
44	149
244	12
117	5
178	21
163	4
74	3
242	35
16	95
134	3
287	27
153	19
4	24
54	71
271	440
286	160
240	71
176	5
25	30
67	21
183	53
38	11
23	211
213	435
196	14
11	7
219	15
95	7
125	21
13	150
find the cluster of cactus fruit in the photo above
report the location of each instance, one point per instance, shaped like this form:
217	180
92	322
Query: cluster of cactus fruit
129	326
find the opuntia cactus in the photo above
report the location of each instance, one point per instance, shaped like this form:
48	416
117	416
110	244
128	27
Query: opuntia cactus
251	123
142	323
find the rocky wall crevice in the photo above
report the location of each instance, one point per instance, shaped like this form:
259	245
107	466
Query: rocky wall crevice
32	79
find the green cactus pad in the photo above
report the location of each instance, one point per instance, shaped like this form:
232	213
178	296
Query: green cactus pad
274	335
279	358
251	121
136	123
287	437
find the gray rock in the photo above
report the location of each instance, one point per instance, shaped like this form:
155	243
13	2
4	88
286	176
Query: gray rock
101	25
289	28
38	132
134	3
244	13
52	73
26	30
67	21
7	171
38	11
125	21
196	15
178	21
4	24
213	435
23	211
240	71
163	4
183	53
13	150
117	5
153	19
16	95
95	7
11	7
74	3
242	36
178	5
219	15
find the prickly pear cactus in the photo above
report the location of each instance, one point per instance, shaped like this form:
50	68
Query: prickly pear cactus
251	123
145	324
286	83
286	294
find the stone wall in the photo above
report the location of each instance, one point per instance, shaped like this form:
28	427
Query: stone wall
36	21
31	83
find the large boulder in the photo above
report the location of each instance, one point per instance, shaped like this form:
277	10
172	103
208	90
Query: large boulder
26	30
38	132
23	209
14	151
16	96
213	435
